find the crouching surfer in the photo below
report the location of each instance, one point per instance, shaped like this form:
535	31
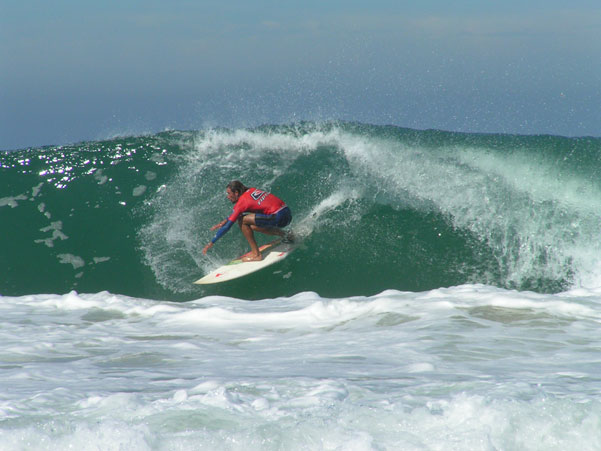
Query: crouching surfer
255	210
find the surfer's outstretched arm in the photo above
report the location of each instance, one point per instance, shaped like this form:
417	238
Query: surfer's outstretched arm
223	227
217	226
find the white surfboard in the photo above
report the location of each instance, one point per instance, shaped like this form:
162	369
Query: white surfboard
272	253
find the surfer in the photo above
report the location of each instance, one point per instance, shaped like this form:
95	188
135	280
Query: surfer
255	210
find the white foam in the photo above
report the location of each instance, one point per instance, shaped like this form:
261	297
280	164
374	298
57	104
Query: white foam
468	367
12	201
35	191
100	177
307	224
57	233
70	259
139	190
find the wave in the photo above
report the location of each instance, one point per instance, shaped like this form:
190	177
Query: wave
376	207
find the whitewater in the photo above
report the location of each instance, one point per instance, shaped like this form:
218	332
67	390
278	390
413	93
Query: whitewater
445	293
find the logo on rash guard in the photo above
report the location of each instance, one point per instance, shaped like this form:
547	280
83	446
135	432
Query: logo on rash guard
259	196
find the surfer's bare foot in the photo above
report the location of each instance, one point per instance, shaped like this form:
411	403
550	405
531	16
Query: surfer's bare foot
252	258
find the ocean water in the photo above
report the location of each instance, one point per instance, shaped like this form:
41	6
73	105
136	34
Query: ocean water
445	294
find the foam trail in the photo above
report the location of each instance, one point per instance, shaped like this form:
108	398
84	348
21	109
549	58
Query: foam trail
314	218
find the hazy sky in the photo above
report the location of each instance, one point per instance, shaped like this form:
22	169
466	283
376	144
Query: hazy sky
73	70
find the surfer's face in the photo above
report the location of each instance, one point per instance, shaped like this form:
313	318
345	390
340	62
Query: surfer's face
232	195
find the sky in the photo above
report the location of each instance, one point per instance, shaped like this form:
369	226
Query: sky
75	70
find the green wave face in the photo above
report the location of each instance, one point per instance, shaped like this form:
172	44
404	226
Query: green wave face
374	208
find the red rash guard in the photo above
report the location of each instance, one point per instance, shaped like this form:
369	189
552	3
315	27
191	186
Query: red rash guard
253	200
256	201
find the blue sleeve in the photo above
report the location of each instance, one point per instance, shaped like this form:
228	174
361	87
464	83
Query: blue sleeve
222	231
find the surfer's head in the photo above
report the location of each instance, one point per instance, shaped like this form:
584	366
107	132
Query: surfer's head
234	190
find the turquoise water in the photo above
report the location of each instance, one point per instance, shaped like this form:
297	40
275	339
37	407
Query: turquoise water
376	207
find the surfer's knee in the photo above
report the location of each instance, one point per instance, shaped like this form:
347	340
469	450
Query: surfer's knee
248	219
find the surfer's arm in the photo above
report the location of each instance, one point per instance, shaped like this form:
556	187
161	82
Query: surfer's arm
224	226
217	226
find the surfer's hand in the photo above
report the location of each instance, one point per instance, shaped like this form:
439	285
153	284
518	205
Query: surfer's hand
218	226
206	248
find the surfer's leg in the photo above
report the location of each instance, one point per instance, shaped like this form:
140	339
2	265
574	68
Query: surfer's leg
268	230
251	220
245	226
271	224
